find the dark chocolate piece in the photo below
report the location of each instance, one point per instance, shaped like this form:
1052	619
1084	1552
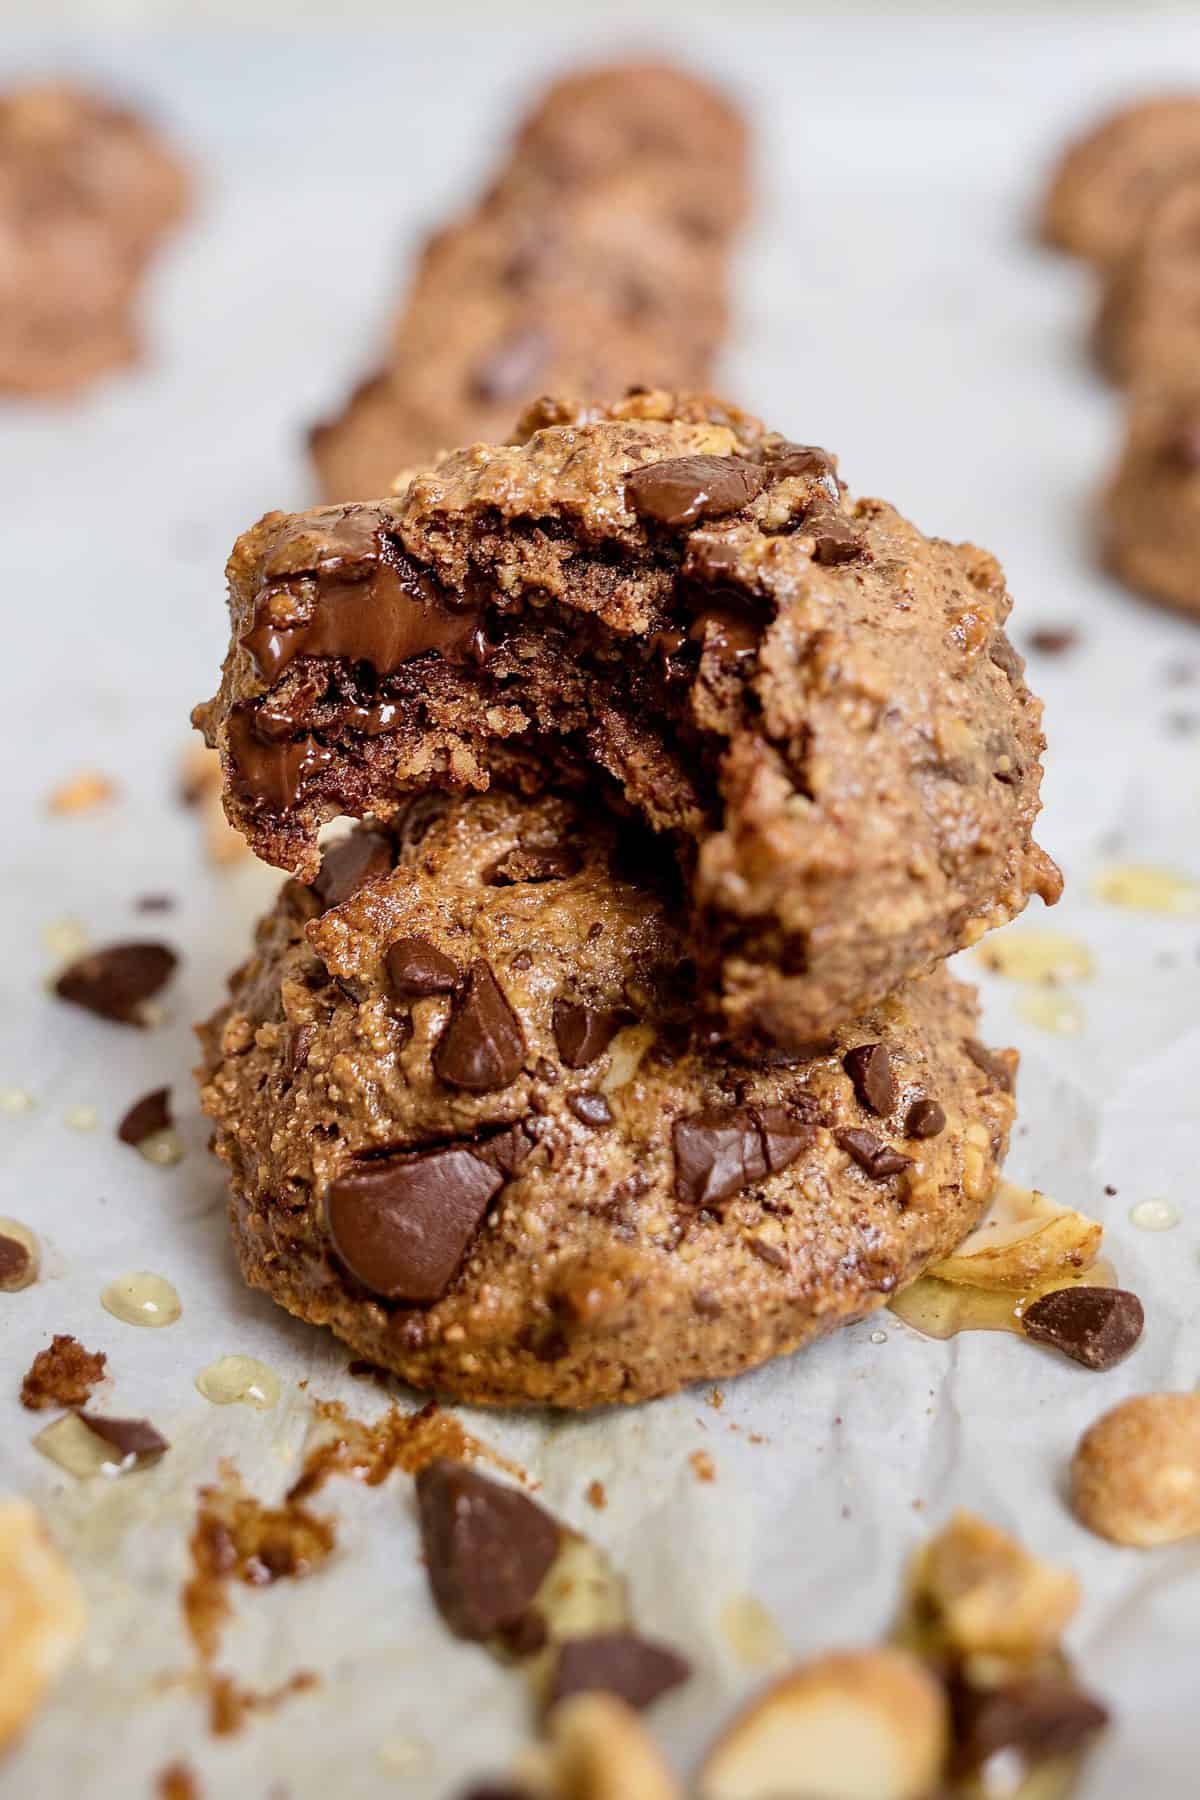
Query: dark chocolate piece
870	1069
717	1153
925	1118
482	1046
349	864
1039	1717
583	1033
487	1548
617	1662
14	1264
146	1116
689	488
117	982
873	1156
415	968
136	1438
590	1108
1092	1325
993	1064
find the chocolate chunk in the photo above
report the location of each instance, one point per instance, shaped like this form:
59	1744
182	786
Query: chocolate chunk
117	982
583	1033
1092	1325
299	1042
349	864
834	538
487	1548
136	1438
768	1253
1038	1717
146	1116
617	1662
788	460
1053	640
590	1109
874	1158
727	631
688	488
924	1119
272	775
482	1047
415	967
529	1635
535	862
401	1225
14	1265
998	1065
718	1153
870	1069
510	369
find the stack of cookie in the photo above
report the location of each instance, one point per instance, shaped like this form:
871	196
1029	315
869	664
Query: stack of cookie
86	192
598	257
614	1049
1127	198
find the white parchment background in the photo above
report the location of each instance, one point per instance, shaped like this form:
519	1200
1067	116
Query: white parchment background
893	308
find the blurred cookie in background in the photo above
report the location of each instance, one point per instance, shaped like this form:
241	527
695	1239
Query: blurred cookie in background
1107	182
87	190
1148	326
1151	522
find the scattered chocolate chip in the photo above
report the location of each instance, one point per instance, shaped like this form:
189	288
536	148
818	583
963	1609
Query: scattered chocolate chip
349	864
117	982
401	1225
415	967
482	1046
300	1041
510	368
14	1265
768	1253
583	1033
998	1065
688	488
154	903
924	1119
717	1153
136	1438
874	1158
590	1109
63	1374
1053	640
487	1548
146	1116
835	539
617	1662
1092	1325
1039	1717
534	862
870	1069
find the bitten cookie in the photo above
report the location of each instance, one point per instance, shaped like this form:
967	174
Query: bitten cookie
597	258
1150	520
1107	183
813	702
1148	327
468	1125
86	191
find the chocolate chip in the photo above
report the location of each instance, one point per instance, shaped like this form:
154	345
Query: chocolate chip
117	982
998	1065
534	862
1038	1717
788	460
834	538
870	1069
874	1158
617	1662
924	1119
135	1438
415	967
487	1548
146	1116
511	367
1092	1325
1053	640
299	1042
401	1225
349	864
482	1046
768	1253
688	488
14	1265
590	1109
583	1033
718	1153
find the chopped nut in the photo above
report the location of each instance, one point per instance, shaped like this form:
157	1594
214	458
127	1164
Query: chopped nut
973	1590
861	1724
1135	1477
82	793
42	1611
1062	1244
200	787
596	1750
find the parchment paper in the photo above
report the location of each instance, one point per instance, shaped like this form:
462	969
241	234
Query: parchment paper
892	307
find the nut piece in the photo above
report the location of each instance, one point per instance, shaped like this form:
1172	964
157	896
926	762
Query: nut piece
1066	1243
1135	1477
973	1590
596	1750
861	1724
41	1615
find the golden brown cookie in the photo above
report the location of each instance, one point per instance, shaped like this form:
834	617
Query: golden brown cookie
1148	326
1150	518
469	1123
1107	182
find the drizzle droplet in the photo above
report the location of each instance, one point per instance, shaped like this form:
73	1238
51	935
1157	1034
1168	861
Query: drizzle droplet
1154	1215
879	1337
142	1298
239	1380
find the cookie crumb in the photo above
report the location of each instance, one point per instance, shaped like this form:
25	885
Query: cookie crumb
63	1374
703	1466
596	1495
82	793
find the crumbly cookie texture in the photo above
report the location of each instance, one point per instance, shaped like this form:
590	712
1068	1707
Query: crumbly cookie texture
86	191
42	1616
469	1125
1148	326
597	257
1150	517
813	702
1106	184
1135	1476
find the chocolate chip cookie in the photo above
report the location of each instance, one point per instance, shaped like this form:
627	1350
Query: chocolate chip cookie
1150	519
598	257
471	1125
1107	183
86	191
1148	327
813	703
